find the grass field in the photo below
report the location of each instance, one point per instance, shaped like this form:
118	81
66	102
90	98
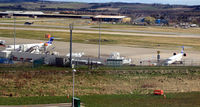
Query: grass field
131	100
111	87
175	100
53	81
138	41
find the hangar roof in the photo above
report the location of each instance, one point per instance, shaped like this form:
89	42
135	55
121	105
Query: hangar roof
105	16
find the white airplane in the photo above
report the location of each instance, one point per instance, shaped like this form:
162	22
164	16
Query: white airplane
2	42
30	47
76	55
176	58
86	61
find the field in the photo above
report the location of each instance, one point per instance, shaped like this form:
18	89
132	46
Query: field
176	99
44	6
130	86
103	81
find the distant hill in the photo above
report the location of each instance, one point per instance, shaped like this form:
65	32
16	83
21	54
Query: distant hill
173	13
12	1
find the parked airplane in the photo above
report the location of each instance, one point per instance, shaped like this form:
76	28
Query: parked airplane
2	42
31	47
176	58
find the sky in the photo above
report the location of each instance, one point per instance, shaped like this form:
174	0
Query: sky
182	2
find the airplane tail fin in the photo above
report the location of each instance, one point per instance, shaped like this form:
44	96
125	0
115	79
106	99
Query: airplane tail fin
182	51
50	40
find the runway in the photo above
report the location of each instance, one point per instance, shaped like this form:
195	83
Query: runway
88	29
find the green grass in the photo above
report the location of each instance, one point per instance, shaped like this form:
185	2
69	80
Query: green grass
131	100
139	41
33	100
29	67
175	100
55	81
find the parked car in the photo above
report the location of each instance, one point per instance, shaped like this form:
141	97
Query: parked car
28	23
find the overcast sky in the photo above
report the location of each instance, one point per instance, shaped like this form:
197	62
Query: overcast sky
184	2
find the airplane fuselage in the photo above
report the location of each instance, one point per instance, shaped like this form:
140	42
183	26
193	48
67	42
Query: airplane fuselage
2	42
24	47
175	58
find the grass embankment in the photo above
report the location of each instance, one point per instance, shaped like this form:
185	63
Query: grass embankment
111	87
175	100
140	41
53	81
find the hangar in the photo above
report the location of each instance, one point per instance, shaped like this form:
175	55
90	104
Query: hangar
117	19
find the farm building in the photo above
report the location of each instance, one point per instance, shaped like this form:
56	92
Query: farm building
117	19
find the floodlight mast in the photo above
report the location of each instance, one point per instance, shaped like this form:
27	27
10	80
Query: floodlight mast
70	57
99	51
14	30
74	70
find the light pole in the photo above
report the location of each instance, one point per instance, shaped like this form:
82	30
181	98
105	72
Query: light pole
99	52
74	70
70	50
14	30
